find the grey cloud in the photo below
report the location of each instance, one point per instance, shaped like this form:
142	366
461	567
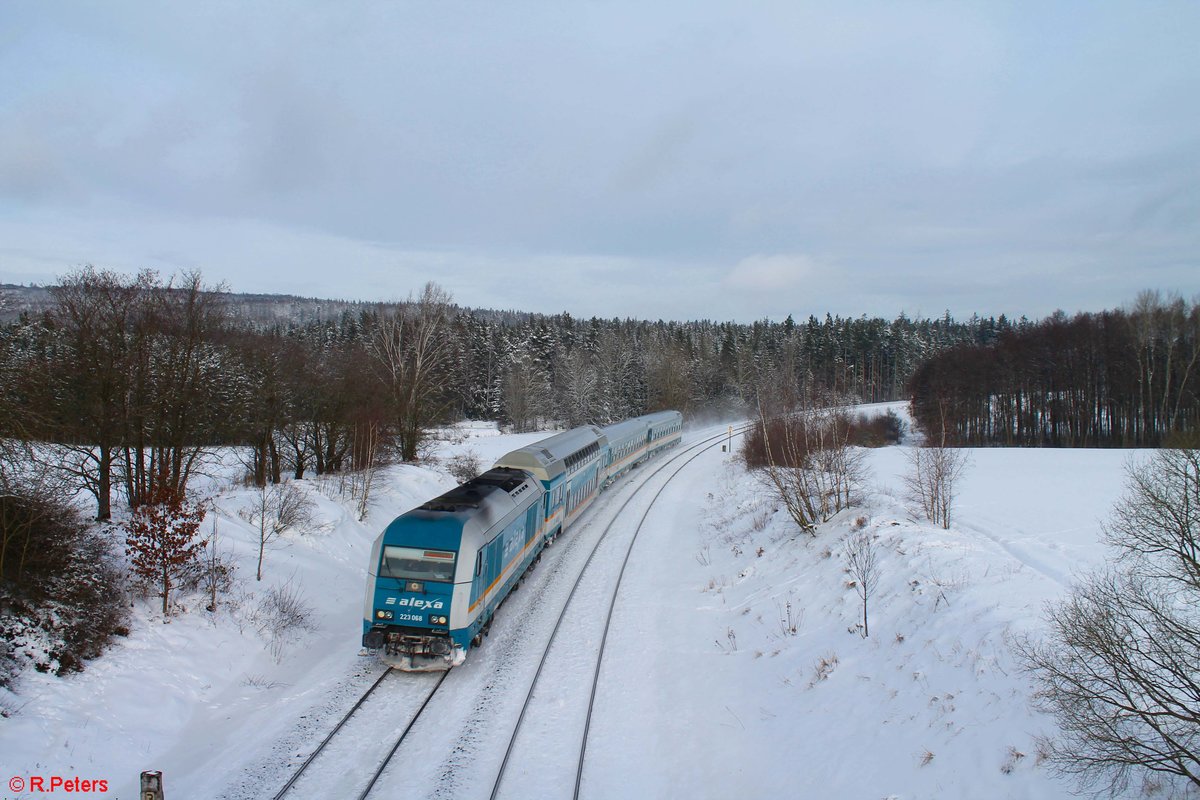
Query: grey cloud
916	155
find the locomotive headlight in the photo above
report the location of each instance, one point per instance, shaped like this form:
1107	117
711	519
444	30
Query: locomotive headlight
381	614
437	620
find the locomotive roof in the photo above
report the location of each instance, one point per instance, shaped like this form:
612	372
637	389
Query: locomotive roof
464	514
473	493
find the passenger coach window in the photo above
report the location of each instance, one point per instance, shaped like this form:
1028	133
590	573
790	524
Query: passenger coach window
417	564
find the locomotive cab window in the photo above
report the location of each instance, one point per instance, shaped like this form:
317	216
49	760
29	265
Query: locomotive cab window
417	564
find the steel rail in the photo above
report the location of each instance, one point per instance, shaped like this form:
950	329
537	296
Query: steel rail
346	718
701	446
312	756
387	759
587	725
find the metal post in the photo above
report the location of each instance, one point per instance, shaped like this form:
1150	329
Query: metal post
152	785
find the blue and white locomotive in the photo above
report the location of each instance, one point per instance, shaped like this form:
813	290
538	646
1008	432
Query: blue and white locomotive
439	572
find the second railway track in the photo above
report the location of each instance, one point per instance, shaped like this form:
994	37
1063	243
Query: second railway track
556	715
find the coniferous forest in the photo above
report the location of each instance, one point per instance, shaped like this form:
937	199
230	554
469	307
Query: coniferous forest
132	377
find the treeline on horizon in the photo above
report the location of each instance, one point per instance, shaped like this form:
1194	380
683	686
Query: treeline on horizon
1120	378
131	377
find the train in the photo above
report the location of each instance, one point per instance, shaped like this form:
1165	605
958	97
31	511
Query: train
439	572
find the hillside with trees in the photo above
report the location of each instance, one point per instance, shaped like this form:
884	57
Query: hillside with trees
129	375
120	387
1120	378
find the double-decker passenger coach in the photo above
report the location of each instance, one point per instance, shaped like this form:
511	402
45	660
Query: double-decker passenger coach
568	466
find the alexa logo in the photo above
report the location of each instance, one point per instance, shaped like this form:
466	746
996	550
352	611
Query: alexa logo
416	602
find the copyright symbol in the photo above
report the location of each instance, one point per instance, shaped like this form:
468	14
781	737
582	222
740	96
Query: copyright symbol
16	784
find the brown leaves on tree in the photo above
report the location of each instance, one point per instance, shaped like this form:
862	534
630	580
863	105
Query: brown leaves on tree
162	539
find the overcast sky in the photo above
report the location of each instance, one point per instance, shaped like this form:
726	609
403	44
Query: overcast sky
648	159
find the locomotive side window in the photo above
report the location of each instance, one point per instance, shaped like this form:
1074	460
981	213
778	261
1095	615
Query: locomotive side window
415	563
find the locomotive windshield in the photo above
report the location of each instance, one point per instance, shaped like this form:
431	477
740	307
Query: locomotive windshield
417	564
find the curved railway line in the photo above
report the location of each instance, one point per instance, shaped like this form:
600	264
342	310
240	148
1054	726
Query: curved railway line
680	461
375	700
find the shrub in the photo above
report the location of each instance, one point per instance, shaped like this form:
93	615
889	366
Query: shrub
880	430
281	615
61	588
789	441
803	459
794	438
464	466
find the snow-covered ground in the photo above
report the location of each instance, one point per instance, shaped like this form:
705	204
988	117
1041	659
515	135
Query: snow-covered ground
734	666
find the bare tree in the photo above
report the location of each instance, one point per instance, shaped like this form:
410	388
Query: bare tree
276	509
96	312
369	437
33	485
932	477
1156	526
786	475
667	378
33	496
863	567
171	411
1163	325
523	388
1120	667
580	383
212	563
413	351
806	459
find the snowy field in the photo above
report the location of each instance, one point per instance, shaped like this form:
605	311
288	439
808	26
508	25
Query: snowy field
735	665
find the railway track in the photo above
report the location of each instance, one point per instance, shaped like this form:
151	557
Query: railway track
330	777
678	462
340	764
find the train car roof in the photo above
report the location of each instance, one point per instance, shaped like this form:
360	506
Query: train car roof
619	431
545	458
659	417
